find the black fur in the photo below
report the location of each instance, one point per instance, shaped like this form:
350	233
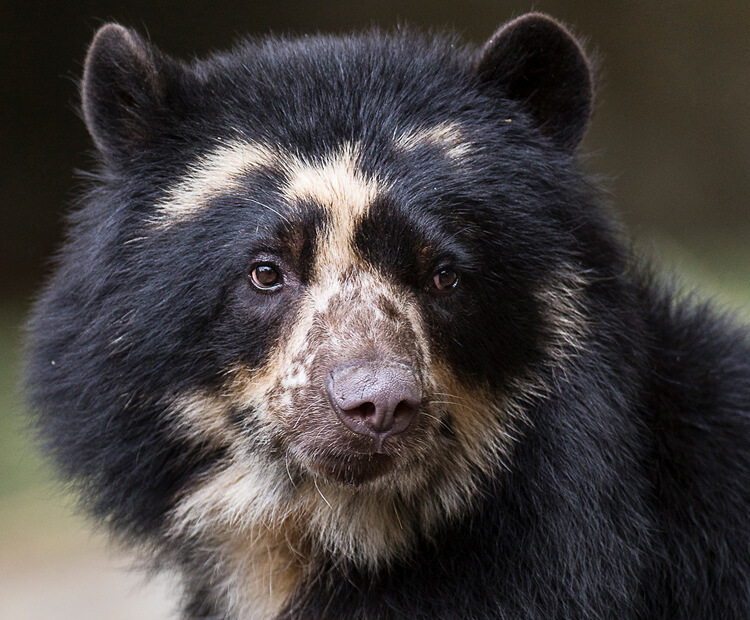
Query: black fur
628	492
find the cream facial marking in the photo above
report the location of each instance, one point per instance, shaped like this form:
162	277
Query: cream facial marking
215	172
447	136
254	547
335	181
201	418
337	184
338	316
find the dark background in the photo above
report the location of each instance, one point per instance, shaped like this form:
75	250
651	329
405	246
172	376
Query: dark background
670	135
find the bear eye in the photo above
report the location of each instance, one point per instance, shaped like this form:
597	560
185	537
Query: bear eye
445	280
266	277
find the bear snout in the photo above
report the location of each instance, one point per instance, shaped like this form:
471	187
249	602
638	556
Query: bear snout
375	399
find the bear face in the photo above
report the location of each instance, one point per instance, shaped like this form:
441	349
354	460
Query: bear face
320	303
315	288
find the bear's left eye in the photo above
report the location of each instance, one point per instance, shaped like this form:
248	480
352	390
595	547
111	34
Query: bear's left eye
266	277
445	280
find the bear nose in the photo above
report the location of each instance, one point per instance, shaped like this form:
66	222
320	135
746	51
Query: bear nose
374	398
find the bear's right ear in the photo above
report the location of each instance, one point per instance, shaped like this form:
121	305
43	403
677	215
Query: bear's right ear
535	61
123	88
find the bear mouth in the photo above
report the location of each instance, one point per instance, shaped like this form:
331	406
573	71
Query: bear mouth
352	468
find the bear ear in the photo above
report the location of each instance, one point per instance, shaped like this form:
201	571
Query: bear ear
122	90
535	60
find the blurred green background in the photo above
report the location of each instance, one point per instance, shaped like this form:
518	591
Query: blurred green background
670	134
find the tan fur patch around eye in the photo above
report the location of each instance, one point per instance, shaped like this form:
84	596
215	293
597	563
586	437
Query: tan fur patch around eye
447	136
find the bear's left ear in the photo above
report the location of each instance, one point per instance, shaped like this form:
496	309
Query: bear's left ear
535	61
123	91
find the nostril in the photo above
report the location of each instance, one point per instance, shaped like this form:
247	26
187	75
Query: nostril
374	399
363	411
405	409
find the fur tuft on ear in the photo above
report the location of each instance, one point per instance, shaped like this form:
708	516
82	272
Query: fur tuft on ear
536	61
122	88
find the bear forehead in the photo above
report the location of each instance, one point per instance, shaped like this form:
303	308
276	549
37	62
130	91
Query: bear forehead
335	180
383	77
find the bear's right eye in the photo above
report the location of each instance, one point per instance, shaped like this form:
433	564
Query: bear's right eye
266	277
444	281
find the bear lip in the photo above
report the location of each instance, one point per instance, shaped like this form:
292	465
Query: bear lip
353	468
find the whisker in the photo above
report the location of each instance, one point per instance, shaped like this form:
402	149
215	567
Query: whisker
315	482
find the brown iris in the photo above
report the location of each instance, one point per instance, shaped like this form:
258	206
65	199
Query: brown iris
266	277
445	280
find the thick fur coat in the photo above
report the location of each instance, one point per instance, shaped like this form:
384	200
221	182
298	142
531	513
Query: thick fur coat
340	330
